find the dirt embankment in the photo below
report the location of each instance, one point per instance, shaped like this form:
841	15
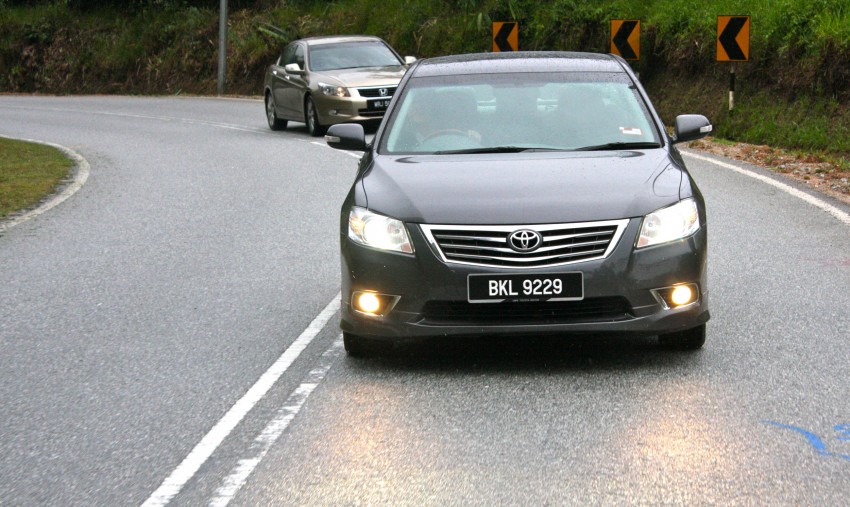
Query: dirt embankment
825	176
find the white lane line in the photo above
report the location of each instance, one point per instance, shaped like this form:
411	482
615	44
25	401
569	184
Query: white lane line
349	153
814	201
78	179
204	449
275	428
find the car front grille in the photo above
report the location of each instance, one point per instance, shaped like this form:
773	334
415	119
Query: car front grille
371	114
375	92
489	245
605	309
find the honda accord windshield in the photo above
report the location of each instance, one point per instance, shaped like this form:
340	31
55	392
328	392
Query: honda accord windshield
350	55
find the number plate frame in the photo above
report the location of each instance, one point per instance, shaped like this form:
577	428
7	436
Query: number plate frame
509	287
378	104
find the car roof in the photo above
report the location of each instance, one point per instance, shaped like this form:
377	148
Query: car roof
333	39
519	61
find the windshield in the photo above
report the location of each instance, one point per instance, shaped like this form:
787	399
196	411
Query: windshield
347	55
483	113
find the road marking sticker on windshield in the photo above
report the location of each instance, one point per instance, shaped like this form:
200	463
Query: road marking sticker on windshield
832	210
184	472
275	428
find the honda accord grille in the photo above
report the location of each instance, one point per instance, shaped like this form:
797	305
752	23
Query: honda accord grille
525	246
378	91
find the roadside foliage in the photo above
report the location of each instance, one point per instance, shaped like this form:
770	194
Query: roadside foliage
793	92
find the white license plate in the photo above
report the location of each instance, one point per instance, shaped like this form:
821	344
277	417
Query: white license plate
525	287
379	105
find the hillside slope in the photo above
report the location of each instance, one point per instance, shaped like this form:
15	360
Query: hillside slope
794	92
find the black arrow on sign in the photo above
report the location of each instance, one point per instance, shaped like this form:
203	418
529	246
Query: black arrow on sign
501	38
621	40
728	36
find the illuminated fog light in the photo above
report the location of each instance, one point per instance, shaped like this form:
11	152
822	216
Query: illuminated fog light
373	304
682	295
677	296
368	302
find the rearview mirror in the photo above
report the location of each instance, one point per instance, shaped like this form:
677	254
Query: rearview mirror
690	127
346	136
293	68
409	59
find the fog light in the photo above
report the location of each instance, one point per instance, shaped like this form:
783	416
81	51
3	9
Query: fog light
677	295
681	295
368	302
373	303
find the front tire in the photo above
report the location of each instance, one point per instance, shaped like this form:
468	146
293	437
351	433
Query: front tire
689	339
271	116
356	346
312	119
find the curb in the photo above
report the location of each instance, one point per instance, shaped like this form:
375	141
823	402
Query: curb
77	180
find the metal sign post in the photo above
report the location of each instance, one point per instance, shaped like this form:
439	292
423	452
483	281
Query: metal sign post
222	47
732	87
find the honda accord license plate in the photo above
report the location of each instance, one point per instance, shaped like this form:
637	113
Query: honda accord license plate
523	287
378	105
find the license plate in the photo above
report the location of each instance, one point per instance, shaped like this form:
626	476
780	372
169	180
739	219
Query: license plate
524	287
378	105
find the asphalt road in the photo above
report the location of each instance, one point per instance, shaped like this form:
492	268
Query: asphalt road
199	263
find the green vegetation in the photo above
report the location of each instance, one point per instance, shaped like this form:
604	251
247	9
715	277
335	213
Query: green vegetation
28	172
794	93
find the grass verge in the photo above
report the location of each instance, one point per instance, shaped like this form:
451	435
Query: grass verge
28	173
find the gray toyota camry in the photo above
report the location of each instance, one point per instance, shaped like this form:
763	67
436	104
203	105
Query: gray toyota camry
522	194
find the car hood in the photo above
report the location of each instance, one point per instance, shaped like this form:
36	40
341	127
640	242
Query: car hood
523	188
367	76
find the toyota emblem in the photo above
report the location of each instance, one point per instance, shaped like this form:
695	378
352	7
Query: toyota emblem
525	240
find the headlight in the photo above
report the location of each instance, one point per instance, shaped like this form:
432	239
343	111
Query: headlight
669	224
334	90
377	231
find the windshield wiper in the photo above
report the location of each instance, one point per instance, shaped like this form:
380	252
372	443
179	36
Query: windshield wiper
495	149
619	146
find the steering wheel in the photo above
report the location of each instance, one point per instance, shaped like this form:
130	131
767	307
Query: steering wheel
444	132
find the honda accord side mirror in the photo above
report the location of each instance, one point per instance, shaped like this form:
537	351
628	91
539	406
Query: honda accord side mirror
346	136
293	68
409	59
690	127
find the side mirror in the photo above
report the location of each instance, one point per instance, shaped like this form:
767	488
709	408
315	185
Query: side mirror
293	68
346	136
690	127
409	59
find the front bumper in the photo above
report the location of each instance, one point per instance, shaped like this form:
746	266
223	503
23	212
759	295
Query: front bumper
432	295
333	110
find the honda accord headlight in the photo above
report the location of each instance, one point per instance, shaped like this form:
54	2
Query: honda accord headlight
669	224
334	90
377	231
